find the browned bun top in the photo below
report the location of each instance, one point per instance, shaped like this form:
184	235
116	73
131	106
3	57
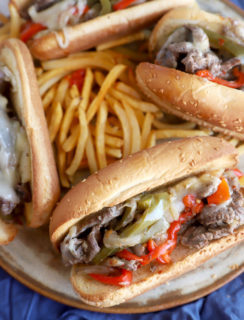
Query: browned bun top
137	173
27	102
193	98
182	16
88	34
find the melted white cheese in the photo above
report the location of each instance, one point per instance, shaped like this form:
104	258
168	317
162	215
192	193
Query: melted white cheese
14	159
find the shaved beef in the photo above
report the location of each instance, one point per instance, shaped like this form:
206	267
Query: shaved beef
222	215
199	236
215	222
77	250
92	244
196	60
103	217
228	65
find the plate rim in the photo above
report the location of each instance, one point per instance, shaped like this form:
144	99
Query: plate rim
51	294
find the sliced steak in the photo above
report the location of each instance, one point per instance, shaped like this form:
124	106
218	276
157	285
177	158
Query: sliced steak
196	60
228	65
199	236
81	244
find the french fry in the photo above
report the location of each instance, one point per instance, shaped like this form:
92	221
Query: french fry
137	104
174	133
108	82
86	90
146	129
61	157
74	92
79	152
113	142
75	64
113	152
125	88
114	131
48	98
15	21
90	154
55	120
100	134
118	42
61	92
140	117
124	124
70	143
161	125
99	77
134	128
151	140
49	84
49	75
67	119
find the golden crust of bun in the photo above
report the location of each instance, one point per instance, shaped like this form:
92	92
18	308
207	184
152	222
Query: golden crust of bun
183	260
102	29
137	173
193	98
180	16
27	102
7	232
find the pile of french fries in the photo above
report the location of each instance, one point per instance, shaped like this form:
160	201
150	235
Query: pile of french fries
109	119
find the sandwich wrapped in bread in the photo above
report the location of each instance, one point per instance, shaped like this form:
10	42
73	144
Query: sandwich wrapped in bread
149	218
29	186
198	71
61	27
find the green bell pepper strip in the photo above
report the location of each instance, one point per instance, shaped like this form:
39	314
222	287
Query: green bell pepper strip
106	7
222	42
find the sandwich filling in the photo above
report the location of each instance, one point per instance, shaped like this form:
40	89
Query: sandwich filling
65	13
218	58
146	228
15	173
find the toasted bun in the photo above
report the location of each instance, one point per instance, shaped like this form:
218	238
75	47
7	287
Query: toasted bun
178	17
27	103
183	260
7	232
193	98
137	173
102	29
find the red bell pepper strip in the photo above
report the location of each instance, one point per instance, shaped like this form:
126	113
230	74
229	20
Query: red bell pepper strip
238	173
29	29
77	77
127	255
221	195
123	280
122	4
232	84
